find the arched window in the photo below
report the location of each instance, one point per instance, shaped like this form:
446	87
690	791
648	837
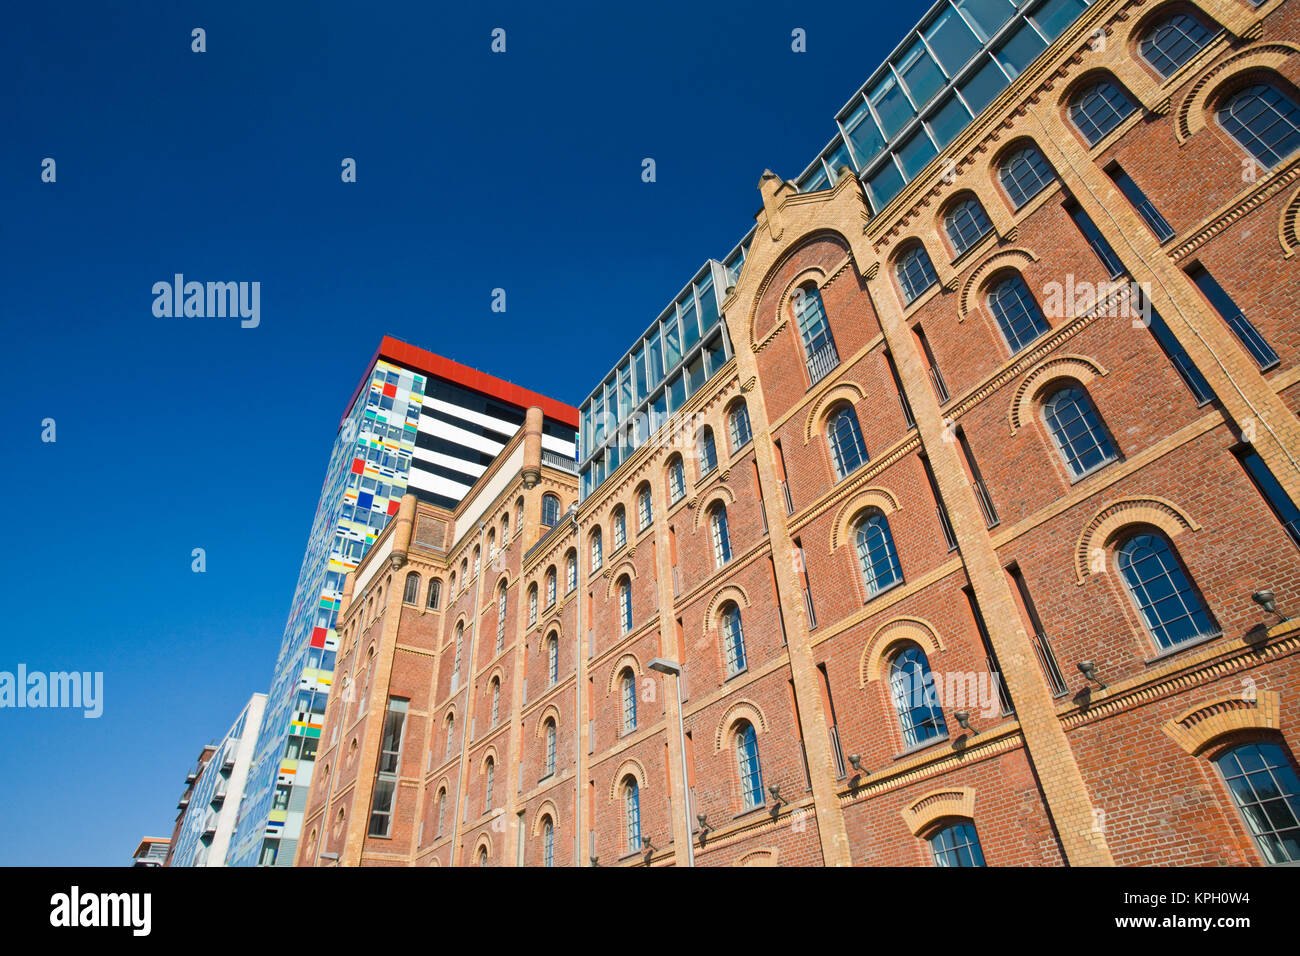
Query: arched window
733	640
435	593
570	573
627	695
708	452
912	689
464	574
482	856
550	747
411	593
1170	606
1017	313
451	728
550	587
519	513
625	604
1173	41
552	660
1076	428
452	581
738	425
548	842
496	701
597	551
632	814
1264	120
619	524
1024	174
966	224
751	774
532	603
505	530
1267	794
492	544
501	618
460	641
442	809
915	273
815	331
644	509
550	510
1099	108
721	535
478	564
957	845
489	783
876	554
848	453
676	480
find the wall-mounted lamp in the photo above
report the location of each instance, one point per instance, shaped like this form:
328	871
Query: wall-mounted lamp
703	818
963	718
594	860
1089	670
855	761
1268	602
775	791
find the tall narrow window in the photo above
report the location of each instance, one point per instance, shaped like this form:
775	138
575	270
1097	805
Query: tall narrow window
451	735
848	452
550	587
597	551
632	814
751	774
1267	794
550	747
721	535
815	331
619	524
390	759
625	604
966	224
1178	357
1103	249
627	694
411	592
644	509
496	701
915	273
912	688
1235	319
1152	216
1283	507
957	845
1076	428
733	640
553	661
442	809
1170	606
1264	120
550	510
876	555
478	562
1024	174
571	573
1017	313
532	604
708	452
738	424
489	783
460	641
501	618
435	594
548	842
1098	109
1173	41
676	480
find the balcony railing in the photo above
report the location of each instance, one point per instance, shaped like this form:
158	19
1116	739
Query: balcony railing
1047	661
822	362
559	461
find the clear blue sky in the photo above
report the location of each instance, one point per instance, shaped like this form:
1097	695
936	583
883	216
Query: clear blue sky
475	171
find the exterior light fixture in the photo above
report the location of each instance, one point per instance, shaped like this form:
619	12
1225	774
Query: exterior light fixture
855	761
775	791
963	718
1089	670
1268	601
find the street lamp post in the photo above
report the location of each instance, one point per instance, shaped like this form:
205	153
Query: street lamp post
665	666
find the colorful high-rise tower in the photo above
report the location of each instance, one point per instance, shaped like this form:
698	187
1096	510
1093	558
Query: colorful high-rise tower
418	422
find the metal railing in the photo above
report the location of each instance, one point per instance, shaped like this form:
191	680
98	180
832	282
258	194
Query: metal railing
556	460
822	362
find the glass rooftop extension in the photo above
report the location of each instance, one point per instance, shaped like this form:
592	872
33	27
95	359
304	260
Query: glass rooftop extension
949	68
953	64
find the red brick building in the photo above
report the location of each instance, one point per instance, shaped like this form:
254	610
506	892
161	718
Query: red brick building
981	580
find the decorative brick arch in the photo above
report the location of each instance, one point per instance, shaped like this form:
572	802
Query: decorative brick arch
491	751
741	710
766	856
629	767
503	579
553	628
627	661
730	592
1197	729
1106	523
1050	370
850	392
757	342
499	673
1257	58
547	809
1288	227
484	842
873	497
915	630
553	619
1015	259
937	805
624	567
549	711
717	493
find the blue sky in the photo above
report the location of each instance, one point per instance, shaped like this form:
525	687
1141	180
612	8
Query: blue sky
476	171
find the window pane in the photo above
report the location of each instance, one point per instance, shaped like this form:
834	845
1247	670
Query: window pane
920	73
1019	51
988	15
916	152
885	183
891	105
863	136
1055	15
948	120
984	85
952	41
